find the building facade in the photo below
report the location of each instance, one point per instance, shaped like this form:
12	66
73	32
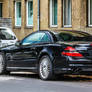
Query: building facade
5	14
54	15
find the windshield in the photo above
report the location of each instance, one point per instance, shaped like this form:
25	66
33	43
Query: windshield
5	35
73	36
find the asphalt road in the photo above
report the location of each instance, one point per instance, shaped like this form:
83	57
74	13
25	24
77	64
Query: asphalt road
32	83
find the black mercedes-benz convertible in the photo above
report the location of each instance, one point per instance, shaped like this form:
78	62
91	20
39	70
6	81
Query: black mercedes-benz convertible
48	53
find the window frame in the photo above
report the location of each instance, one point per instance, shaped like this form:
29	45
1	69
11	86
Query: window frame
27	14
2	10
89	24
51	15
64	25
16	14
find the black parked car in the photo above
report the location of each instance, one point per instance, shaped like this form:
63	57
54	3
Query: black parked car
49	53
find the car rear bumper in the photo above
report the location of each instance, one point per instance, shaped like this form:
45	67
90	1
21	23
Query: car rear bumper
73	66
84	70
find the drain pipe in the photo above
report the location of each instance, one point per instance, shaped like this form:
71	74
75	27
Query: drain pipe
38	16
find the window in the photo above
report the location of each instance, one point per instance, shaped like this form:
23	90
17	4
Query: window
90	12
5	35
17	13
53	13
36	38
67	13
30	13
0	10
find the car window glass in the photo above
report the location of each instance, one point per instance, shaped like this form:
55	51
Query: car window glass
65	36
35	38
46	38
73	36
5	35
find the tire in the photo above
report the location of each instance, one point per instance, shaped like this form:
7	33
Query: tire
2	64
45	68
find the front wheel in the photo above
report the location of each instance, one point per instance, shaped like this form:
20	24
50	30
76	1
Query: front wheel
45	68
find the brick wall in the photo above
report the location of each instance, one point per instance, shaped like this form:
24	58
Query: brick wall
6	22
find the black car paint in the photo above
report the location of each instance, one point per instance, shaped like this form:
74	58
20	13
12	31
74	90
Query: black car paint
27	58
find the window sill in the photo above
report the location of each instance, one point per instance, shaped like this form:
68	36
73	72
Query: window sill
67	26
29	27
89	26
54	26
17	27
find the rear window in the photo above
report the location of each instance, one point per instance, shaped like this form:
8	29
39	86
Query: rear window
73	36
5	35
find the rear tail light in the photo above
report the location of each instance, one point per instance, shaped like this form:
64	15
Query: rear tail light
90	44
70	51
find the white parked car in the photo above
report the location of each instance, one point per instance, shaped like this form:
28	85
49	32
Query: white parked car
7	37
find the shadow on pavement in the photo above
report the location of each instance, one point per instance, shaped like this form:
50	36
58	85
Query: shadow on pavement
74	78
71	78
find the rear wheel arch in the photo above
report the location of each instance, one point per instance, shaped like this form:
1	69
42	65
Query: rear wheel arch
45	54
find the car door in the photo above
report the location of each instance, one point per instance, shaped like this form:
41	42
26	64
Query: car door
25	56
32	46
15	56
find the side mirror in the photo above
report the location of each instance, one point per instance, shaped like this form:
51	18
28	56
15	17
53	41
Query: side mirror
18	43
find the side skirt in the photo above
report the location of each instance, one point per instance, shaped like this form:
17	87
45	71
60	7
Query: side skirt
29	69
